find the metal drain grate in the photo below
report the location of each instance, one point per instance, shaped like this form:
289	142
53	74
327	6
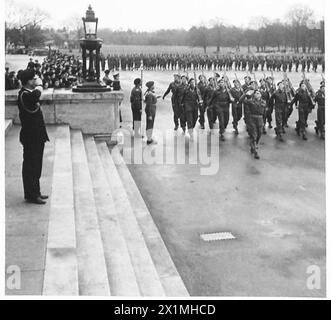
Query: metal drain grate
217	236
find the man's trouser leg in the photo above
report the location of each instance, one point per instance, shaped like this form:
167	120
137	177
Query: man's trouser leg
202	110
176	114
150	117
31	169
211	117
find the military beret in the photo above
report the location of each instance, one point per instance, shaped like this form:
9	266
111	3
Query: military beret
26	75
217	75
192	79
280	82
107	71
247	77
136	81
322	83
183	76
116	74
149	84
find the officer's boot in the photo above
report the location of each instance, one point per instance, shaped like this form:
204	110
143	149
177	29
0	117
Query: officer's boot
270	125
304	137
264	130
297	129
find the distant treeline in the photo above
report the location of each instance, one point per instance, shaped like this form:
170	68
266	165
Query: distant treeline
298	32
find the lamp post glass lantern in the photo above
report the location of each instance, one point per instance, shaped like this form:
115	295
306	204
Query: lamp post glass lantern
91	46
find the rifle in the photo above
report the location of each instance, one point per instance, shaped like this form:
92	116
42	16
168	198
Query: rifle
287	92
197	88
238	82
228	86
309	89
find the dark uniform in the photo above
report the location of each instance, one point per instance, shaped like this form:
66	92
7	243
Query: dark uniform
256	111
150	110
305	107
221	101
237	107
202	107
279	101
175	106
33	136
136	107
190	101
178	99
320	122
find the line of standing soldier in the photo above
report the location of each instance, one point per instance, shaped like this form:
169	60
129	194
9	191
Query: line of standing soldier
191	101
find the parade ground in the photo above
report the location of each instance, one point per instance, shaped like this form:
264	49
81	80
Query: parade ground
274	207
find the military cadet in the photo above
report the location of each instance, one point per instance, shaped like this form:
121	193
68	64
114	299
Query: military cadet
150	110
279	101
221	101
191	103
305	107
33	135
256	106
237	107
136	107
202	87
320	122
175	106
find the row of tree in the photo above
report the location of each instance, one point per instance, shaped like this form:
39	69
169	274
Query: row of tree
298	32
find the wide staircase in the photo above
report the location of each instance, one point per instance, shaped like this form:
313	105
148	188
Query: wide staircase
101	237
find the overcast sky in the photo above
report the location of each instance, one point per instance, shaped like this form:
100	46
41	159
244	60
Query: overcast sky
155	14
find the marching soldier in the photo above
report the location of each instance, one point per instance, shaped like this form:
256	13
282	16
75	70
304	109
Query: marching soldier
178	99
320	122
202	87
237	107
221	100
136	107
279	101
256	108
191	103
305	107
175	106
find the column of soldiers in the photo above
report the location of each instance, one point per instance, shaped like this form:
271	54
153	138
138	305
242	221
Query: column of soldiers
254	101
194	61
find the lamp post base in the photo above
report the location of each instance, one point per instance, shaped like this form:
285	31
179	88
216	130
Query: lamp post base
91	86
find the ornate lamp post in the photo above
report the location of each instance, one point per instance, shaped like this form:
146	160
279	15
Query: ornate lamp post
91	46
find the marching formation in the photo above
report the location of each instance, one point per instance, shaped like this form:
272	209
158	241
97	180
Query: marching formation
187	62
255	102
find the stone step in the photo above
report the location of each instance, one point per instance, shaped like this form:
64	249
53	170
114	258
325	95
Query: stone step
8	125
170	278
122	279
92	270
147	277
61	268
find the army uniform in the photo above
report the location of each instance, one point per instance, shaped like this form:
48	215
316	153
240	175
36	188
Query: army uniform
136	107
237	107
202	106
150	110
190	100
221	101
33	136
178	99
175	106
305	107
279	101
256	111
320	122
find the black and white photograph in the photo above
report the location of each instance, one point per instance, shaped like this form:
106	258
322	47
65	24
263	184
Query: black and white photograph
164	149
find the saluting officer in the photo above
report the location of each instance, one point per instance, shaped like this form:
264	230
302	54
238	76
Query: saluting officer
175	106
33	135
237	107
